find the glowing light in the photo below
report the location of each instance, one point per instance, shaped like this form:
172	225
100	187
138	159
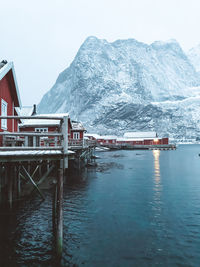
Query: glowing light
155	140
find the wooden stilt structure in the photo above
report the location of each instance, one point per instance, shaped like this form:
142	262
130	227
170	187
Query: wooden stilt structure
22	165
32	165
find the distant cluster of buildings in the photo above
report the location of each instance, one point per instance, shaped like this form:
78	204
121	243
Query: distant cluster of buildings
10	105
129	138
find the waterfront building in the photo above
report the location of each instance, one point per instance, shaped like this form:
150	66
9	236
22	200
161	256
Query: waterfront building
9	97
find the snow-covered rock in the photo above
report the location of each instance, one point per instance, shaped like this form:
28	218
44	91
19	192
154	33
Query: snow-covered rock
129	85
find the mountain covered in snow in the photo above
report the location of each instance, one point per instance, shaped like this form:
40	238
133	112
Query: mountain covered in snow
194	56
129	85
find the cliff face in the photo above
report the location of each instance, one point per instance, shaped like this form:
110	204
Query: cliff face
129	85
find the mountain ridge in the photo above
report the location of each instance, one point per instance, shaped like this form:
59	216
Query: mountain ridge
106	80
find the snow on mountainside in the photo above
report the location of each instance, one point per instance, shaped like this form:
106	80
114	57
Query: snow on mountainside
129	85
194	56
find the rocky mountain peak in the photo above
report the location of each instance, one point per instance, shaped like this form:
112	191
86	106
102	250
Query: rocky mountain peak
123	85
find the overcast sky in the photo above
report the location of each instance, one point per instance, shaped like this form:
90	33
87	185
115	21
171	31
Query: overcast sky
42	37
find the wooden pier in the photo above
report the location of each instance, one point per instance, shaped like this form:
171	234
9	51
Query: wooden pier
140	147
22	165
84	151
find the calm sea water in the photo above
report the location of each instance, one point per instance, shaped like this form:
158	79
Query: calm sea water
138	208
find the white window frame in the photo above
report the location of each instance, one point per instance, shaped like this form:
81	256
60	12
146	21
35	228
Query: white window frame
41	130
4	112
76	135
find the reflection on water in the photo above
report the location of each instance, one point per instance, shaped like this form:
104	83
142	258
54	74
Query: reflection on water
157	177
156	154
157	204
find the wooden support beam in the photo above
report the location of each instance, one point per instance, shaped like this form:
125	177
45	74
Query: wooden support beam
46	175
34	172
33	183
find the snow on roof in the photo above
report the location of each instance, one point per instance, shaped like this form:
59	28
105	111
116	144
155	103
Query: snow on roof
38	122
140	135
25	111
4	70
96	136
122	139
77	126
105	137
108	137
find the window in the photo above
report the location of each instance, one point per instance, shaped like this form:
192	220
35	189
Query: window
41	130
4	107
76	135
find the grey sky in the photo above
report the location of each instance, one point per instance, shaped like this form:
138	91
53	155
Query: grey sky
43	36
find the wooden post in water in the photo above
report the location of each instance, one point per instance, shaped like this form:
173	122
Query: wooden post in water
54	208
18	182
10	183
65	140
1	181
59	212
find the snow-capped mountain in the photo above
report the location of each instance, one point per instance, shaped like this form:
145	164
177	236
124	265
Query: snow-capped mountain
129	85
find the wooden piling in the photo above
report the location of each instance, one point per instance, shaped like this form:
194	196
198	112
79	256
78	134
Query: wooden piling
10	183
1	181
18	182
54	208
59	211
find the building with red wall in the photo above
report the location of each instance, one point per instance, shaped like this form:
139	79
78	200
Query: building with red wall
130	138
77	131
45	126
9	97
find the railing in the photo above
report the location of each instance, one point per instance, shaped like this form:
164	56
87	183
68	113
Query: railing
81	143
20	140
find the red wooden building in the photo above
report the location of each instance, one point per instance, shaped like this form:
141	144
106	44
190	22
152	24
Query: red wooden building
44	126
75	129
130	138
143	138
9	97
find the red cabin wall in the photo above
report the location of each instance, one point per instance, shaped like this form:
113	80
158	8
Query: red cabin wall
165	141
5	94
